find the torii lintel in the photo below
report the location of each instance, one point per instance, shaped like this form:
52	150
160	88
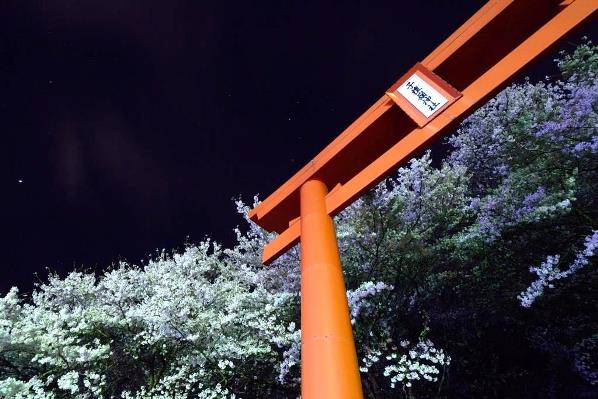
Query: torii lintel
390	131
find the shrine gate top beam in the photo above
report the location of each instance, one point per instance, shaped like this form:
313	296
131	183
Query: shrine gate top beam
476	61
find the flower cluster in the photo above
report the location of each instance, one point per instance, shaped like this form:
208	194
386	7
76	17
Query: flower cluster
548	271
186	322
357	298
407	363
420	363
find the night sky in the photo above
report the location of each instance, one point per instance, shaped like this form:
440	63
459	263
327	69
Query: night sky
132	125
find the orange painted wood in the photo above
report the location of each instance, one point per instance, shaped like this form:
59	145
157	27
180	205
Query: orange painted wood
494	78
328	358
473	25
464	57
282	243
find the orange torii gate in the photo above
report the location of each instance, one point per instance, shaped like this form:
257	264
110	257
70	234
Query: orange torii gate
476	61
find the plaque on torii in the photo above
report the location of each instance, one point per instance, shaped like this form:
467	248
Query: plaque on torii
476	61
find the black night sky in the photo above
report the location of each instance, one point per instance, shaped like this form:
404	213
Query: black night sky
131	125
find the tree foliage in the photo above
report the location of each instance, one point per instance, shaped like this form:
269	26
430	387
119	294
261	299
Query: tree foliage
473	276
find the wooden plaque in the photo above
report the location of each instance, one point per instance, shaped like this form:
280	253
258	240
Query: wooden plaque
422	94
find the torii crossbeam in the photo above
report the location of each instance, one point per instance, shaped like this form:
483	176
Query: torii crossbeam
476	61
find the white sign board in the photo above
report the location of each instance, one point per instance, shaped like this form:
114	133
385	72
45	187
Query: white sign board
421	95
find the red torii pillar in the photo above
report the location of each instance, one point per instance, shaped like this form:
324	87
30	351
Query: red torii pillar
476	61
328	358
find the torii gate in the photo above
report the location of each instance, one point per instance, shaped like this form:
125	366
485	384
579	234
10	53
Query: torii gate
476	61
